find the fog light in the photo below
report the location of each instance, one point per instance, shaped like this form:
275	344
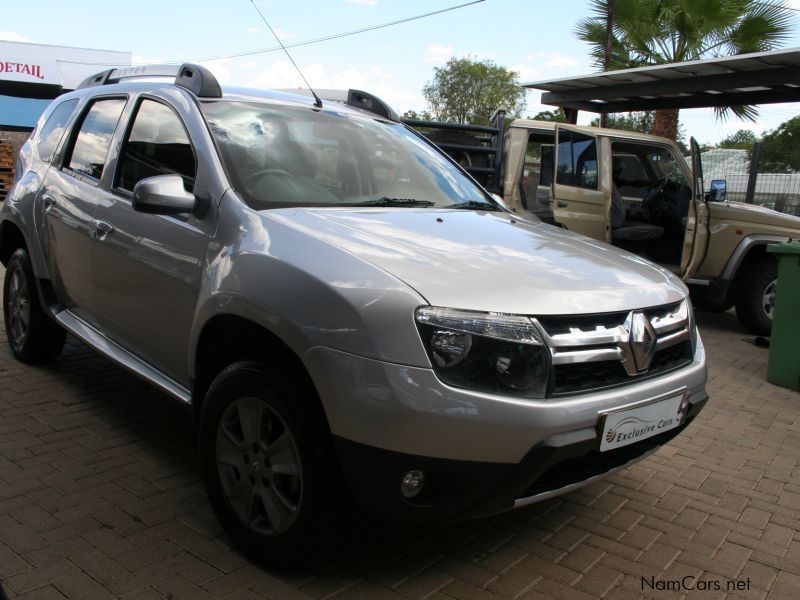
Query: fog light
413	481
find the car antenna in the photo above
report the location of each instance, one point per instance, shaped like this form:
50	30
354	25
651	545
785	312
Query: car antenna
317	101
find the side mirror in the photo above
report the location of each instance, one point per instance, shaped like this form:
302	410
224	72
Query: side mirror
717	191
163	195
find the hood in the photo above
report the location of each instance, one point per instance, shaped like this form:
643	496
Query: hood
753	213
491	261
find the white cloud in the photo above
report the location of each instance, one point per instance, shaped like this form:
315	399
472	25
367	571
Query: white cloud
526	72
12	36
138	59
438	53
253	29
281	74
363	2
221	70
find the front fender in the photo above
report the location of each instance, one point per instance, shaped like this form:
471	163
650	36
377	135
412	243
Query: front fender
305	291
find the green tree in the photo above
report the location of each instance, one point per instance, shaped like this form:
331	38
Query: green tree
741	140
423	115
634	121
467	90
550	115
780	150
655	32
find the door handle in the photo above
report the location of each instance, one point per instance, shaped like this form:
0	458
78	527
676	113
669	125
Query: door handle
49	202
563	204
101	229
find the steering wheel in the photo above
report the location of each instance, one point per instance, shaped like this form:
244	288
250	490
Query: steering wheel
258	174
652	203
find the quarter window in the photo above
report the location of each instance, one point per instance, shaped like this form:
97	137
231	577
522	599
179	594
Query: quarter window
157	145
90	148
577	160
53	129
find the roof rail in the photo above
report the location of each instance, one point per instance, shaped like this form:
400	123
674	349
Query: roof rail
194	78
354	98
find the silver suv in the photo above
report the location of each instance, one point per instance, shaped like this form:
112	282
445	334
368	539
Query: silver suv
348	314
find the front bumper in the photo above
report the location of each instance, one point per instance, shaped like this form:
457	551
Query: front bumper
482	453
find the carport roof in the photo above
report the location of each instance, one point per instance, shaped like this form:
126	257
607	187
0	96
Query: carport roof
758	78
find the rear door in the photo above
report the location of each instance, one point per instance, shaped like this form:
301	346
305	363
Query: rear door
696	238
579	202
69	199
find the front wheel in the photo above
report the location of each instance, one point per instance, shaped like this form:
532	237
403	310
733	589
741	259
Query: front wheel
31	334
755	298
269	465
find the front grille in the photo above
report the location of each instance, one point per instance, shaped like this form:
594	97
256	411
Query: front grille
578	377
595	352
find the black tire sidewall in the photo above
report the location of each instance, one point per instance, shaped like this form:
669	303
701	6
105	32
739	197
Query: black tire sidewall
313	530
44	339
751	288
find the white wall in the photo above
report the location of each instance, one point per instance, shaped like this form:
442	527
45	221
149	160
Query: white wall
55	65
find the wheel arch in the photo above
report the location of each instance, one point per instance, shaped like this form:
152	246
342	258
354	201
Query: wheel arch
11	238
750	249
227	338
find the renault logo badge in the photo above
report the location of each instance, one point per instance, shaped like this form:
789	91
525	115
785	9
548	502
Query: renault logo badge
642	340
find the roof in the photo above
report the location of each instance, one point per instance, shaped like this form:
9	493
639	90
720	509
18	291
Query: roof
758	78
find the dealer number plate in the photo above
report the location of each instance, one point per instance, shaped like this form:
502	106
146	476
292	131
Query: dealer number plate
633	425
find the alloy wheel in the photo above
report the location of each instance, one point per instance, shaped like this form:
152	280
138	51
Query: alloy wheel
18	307
259	466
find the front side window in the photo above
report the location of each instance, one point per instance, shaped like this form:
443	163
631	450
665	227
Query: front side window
53	129
279	156
157	145
90	148
577	160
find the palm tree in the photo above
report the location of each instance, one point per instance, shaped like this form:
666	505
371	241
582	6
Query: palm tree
656	32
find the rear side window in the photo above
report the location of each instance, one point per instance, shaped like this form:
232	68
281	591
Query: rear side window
90	149
157	145
577	160
53	129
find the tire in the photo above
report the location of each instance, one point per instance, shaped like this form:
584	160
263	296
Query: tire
32	335
462	157
254	416
755	298
702	301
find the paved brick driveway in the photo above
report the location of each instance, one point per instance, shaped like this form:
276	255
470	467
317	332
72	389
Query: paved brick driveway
100	497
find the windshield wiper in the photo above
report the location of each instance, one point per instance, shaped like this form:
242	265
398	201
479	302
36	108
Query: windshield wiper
472	205
386	201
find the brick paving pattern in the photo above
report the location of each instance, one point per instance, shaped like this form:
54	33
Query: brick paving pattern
101	497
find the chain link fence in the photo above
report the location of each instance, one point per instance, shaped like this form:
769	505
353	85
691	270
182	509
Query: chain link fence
752	175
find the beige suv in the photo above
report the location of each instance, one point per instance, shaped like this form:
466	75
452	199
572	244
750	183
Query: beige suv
635	191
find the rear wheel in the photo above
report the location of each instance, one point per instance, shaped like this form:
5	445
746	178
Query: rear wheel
269	465
755	298
465	158
32	335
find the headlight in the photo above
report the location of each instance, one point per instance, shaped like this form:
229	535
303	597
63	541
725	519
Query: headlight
491	352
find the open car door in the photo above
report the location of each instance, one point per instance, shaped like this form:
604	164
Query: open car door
578	201
695	241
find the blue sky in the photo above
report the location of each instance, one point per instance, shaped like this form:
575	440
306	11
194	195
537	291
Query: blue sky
534	37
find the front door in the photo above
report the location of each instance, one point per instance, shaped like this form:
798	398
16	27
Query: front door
148	267
696	239
579	201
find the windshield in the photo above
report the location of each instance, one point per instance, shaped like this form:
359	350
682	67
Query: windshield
278	156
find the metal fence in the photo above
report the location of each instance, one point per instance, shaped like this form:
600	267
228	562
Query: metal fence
750	178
